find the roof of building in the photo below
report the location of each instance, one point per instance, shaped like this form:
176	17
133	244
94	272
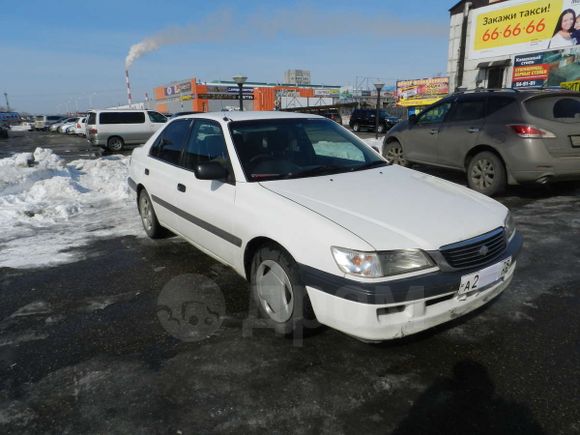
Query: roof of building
457	8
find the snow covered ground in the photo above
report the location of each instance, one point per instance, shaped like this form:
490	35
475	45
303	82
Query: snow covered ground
49	209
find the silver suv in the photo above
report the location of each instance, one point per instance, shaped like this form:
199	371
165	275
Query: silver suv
497	137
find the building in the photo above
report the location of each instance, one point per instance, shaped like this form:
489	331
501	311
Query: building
515	43
297	77
191	95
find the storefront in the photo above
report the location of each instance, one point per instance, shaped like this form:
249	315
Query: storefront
516	43
191	95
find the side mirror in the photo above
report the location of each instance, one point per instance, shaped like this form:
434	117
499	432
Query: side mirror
210	171
412	119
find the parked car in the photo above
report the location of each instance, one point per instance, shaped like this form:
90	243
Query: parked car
298	206
366	119
55	126
64	128
497	137
3	131
43	122
113	129
80	127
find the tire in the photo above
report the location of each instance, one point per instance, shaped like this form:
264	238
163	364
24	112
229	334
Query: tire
486	173
279	293
393	152
115	144
381	128
356	127
148	217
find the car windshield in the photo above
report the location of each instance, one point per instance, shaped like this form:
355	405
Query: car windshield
277	149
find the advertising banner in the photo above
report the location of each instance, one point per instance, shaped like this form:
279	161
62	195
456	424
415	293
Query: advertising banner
180	88
523	26
421	92
546	69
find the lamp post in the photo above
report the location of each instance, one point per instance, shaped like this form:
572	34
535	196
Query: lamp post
240	80
379	87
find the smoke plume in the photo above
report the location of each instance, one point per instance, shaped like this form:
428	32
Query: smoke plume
301	22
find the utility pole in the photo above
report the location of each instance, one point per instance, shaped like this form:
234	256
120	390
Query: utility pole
7	103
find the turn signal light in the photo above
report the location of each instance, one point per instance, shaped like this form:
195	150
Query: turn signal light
529	131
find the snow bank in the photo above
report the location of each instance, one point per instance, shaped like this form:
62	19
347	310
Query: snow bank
375	143
48	208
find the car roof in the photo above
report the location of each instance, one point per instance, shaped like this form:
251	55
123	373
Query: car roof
251	115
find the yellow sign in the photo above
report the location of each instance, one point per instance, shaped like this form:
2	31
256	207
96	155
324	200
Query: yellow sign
527	22
572	86
421	102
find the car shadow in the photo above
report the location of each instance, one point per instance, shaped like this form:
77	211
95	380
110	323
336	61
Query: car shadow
466	403
526	191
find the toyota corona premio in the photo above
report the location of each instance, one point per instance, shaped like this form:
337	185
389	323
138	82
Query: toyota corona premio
322	227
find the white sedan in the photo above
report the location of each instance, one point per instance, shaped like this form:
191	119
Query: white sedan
322	227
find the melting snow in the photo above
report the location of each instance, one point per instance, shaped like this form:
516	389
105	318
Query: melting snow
48	207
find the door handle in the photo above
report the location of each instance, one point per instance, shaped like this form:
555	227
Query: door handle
433	131
473	130
181	187
146	171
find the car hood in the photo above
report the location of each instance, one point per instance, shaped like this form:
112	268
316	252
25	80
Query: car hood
395	208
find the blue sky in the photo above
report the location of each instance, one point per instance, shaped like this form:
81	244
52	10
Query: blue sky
63	55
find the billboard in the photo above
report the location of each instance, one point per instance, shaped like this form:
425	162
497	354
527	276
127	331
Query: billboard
421	92
523	26
546	69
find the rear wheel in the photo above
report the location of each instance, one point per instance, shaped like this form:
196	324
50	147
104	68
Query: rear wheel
148	217
278	291
486	173
393	152
115	143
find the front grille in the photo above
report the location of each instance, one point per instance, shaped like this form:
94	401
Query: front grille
477	251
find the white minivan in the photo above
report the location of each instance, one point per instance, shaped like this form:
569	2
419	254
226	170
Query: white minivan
113	129
324	229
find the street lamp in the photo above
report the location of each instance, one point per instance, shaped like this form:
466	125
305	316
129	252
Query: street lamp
240	80
379	87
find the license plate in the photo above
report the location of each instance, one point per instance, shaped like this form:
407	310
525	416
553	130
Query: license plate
575	141
480	280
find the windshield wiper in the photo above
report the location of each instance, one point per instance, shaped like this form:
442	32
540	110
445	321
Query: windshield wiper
374	164
318	170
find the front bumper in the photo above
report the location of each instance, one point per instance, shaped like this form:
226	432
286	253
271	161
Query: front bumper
393	309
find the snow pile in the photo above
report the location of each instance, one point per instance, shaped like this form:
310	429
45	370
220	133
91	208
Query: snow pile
48	208
375	143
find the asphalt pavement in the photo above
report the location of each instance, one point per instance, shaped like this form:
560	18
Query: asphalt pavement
98	345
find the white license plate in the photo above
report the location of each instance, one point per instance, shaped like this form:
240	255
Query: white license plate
480	280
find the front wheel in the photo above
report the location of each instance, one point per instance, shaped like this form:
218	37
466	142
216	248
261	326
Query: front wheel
356	127
278	291
393	152
381	128
486	173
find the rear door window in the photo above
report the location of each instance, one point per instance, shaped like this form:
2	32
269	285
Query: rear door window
171	141
496	103
468	109
561	108
122	118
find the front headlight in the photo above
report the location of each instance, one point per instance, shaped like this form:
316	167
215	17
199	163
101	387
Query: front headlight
510	226
380	264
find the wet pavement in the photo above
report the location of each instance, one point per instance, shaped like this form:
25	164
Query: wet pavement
99	345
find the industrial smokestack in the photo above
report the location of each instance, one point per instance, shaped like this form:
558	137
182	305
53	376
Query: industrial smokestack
129	99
